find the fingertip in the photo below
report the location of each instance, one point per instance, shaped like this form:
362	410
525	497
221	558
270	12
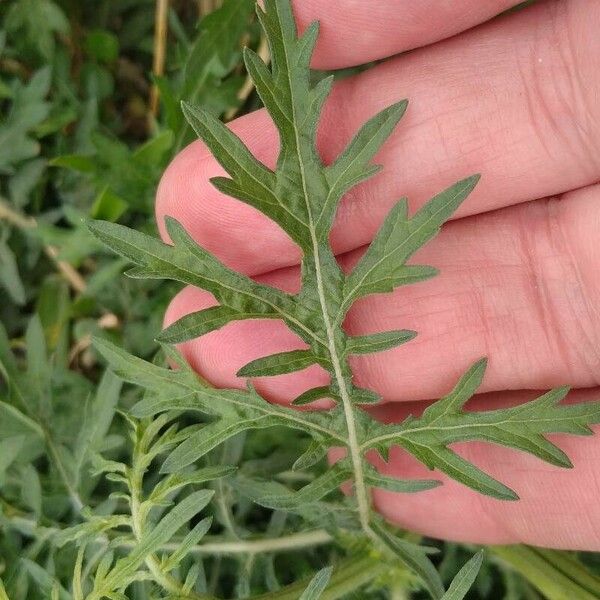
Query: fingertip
219	355
188	300
217	222
176	182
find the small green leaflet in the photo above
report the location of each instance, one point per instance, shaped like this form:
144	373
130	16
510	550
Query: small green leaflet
204	321
176	481
317	585
413	556
301	194
393	484
9	451
190	540
175	519
383	267
465	578
10	278
278	364
314	491
378	342
312	395
207	438
314	453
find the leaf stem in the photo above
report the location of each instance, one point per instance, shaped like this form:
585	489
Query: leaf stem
360	488
138	521
215	545
295	541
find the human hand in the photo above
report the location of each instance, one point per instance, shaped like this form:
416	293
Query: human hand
515	99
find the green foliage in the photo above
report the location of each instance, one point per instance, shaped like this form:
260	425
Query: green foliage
150	529
301	195
465	578
38	20
317	585
29	110
169	488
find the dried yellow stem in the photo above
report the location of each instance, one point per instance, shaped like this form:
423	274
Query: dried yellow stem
161	27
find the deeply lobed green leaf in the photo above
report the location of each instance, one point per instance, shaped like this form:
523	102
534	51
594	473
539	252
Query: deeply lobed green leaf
301	195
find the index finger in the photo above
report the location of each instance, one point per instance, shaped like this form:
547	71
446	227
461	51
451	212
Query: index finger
355	32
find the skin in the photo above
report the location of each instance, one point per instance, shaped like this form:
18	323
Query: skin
515	98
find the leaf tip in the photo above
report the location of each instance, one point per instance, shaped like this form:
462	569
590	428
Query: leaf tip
482	363
508	495
245	371
94	226
472	181
168	467
173	227
565	462
166	336
400	107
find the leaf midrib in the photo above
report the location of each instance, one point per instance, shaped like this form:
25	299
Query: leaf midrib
428	428
352	442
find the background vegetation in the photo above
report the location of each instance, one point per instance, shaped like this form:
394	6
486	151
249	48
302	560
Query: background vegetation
83	134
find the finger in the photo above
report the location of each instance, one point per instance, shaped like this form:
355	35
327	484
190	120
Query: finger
557	508
514	100
352	34
518	285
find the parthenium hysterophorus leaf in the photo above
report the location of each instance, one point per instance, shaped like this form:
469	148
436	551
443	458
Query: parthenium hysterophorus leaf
302	195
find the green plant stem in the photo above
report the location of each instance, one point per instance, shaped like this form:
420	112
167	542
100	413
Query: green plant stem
360	489
296	541
216	546
557	575
138	520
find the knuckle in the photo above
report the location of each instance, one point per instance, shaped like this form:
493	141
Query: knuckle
561	291
559	80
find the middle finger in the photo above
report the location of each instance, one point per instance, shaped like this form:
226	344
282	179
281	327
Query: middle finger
518	285
516	99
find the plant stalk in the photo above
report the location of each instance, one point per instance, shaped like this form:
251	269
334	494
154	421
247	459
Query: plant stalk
166	581
160	50
360	489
